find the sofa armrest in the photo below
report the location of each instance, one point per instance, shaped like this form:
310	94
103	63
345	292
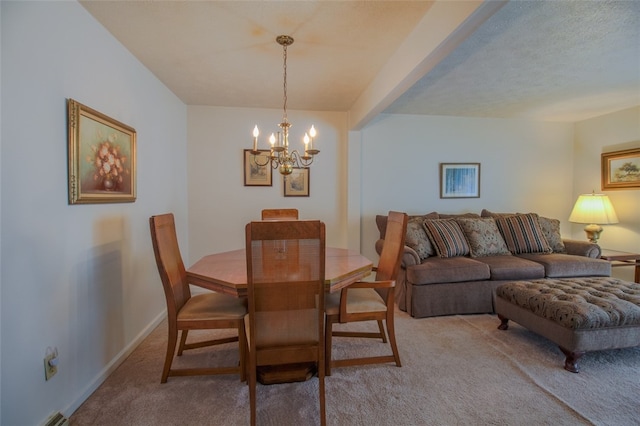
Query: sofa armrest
409	256
582	248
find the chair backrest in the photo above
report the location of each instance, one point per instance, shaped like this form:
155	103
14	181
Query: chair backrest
280	214
285	278
169	261
392	250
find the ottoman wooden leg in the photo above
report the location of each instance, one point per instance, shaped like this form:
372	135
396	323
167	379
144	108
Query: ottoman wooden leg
571	361
504	323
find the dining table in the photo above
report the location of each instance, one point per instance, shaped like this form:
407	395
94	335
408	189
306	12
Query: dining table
226	273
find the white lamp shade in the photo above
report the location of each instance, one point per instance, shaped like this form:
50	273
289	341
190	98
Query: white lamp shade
593	208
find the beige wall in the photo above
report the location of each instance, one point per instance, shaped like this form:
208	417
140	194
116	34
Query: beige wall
608	133
220	205
525	167
81	278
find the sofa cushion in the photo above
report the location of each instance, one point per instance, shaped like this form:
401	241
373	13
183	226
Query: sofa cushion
512	268
558	265
456	216
523	234
551	230
447	237
483	237
416	237
435	270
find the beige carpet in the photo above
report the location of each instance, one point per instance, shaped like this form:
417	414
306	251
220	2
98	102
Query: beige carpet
458	370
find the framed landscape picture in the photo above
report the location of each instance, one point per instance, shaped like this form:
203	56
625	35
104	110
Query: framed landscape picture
297	183
101	157
257	168
459	180
621	169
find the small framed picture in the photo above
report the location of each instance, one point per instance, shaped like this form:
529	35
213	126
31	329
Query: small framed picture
621	169
297	183
257	168
102	157
459	180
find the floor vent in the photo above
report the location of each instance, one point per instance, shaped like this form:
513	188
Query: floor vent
57	419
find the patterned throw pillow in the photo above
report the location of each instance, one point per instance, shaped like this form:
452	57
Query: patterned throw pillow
483	237
551	231
523	234
417	239
447	237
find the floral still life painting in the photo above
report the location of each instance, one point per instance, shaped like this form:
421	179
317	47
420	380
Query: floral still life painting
101	157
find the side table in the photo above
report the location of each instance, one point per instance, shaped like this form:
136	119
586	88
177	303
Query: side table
622	258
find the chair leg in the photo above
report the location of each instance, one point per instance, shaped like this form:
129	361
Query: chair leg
323	412
252	389
242	348
382	333
171	349
327	345
392	338
183	341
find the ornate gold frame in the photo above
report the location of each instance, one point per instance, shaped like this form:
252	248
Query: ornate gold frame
102	157
621	169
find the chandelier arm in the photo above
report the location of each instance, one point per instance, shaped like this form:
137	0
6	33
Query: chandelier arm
300	160
255	155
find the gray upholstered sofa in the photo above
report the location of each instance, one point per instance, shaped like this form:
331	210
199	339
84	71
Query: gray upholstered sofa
452	264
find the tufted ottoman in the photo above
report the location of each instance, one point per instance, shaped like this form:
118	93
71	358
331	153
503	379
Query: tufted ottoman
578	314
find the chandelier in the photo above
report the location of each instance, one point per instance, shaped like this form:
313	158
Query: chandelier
280	156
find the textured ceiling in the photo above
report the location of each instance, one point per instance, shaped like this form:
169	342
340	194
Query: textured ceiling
551	60
548	60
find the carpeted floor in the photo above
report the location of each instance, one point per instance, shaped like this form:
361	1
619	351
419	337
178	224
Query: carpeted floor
457	370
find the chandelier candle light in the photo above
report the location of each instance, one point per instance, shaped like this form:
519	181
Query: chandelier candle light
280	156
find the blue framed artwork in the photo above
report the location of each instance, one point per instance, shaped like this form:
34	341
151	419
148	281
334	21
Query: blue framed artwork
459	180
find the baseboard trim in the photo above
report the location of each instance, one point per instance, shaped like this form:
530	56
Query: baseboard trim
111	366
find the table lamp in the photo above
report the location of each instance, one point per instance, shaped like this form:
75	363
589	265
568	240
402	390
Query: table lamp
594	210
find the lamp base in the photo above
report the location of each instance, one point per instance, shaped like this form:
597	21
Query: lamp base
593	232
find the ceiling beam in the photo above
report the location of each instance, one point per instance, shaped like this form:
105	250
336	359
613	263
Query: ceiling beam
445	25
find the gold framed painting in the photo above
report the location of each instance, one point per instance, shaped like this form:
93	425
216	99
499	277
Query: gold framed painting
621	169
102	157
257	168
297	183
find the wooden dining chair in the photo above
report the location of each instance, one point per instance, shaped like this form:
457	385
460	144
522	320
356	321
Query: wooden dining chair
280	214
200	312
285	278
370	300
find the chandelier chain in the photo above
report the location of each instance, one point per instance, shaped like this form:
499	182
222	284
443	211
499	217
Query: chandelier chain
284	55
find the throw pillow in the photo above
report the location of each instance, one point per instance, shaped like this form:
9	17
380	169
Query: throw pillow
523	234
483	237
417	239
447	237
551	231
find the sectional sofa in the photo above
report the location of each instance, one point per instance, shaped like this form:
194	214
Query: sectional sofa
452	264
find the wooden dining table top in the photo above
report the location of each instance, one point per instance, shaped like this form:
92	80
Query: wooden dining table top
227	272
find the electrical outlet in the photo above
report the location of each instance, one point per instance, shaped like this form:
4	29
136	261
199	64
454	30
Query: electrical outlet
50	365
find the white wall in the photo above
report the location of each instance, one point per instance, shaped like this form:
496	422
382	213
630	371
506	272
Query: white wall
220	205
612	132
81	278
525	167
